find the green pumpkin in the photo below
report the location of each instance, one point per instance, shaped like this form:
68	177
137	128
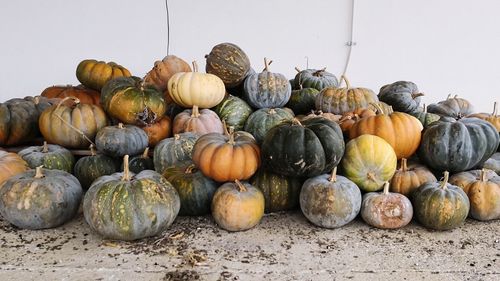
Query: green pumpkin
195	190
493	163
50	156
403	96
425	117
141	162
303	100
281	193
121	140
262	120
453	107
229	62
39	199
173	151
87	169
128	206
313	78
234	111
298	149
440	205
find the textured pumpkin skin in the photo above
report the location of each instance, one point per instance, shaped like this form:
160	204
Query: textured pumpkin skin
493	163
158	131
262	120
94	74
493	118
452	107
143	206
87	118
195	190
313	78
458	146
11	164
89	168
129	100
267	89
54	157
121	140
410	177
281	193
229	63
234	111
236	210
369	161
303	101
202	122
39	203
188	89
308	149
87	96
164	70
173	151
141	162
330	204
403	96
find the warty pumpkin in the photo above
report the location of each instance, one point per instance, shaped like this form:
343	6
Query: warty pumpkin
50	156
198	121
164	69
94	74
11	164
228	62
410	177
84	95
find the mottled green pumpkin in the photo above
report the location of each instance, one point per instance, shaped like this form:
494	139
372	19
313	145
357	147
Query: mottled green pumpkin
234	111
426	118
174	151
229	63
88	168
121	140
454	107
314	78
262	120
50	156
139	163
493	163
94	74
281	193
303	100
403	96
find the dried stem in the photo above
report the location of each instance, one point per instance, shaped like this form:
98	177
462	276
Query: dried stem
241	187
444	183
333	175
126	171
38	172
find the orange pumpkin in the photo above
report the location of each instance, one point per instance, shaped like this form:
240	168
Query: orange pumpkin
11	164
349	118
493	118
196	121
408	178
158	131
94	74
163	70
83	94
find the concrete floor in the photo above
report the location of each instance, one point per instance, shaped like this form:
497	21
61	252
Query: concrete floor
283	247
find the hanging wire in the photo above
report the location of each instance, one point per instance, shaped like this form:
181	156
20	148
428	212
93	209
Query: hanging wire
350	43
168	27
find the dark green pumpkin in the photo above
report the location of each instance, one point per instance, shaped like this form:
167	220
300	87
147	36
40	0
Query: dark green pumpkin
234	111
229	63
50	156
440	205
403	96
87	169
260	121
174	151
139	163
303	100
426	118
195	190
454	107
281	193
309	148
314	78
456	146
121	140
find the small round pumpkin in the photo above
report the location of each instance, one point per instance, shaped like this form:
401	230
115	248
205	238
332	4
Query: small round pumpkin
139	163
198	121
303	100
121	140
262	120
94	74
164	69
314	78
493	118
234	111
158	131
237	206
403	96
281	193
454	107
89	168
493	163
50	156
174	151
408	178
228	62
11	164
84	95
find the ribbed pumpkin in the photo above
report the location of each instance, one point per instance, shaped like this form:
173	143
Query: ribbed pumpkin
350	118
314	78
281	193
234	111
262	120
330	201
369	161
493	118
343	100
39	199
94	74
456	146
139	163
197	121
267	89
188	89
309	148
303	100
158	131
89	168
128	206
164	69
454	107
11	164
386	209
410	177
50	156
440	205
85	95
229	63
228	157
237	206
403	96
493	163
173	151
425	117
72	125
118	141
129	100
483	189
195	190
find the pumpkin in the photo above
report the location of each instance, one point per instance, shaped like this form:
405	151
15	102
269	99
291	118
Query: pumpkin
425	117
386	209
281	193
131	101
318	113
228	157
94	74
454	107
330	201
262	120
118	141
267	89
493	163
139	163
234	111
163	70
408	178
195	190
240	88
188	89
173	151
84	95
72	125
237	206
350	118
493	118
50	156
456	146
343	100
89	168
198	121
11	164
401	130
228	62
483	189
440	205
369	161
403	96
158	131
313	78
303	100
39	199
128	206
308	148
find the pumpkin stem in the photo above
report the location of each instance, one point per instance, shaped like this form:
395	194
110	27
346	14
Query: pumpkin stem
120	126
445	180
296	122
333	176
195	66
297	69
266	64
424	109
495	109
378	107
271	111
241	187
348	85
92	150
404	166
390	111
300	81
36	100
386	188
319	72
45	147
177	137
448	97
483	175
190	169
416	95
145	154
195	113
38	172
231	135
126	171
224	125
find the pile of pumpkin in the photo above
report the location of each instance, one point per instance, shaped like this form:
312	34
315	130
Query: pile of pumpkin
237	143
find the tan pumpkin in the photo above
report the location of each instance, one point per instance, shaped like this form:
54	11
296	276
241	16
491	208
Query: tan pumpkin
164	69
83	94
349	118
493	118
318	113
11	164
158	131
409	177
197	121
94	74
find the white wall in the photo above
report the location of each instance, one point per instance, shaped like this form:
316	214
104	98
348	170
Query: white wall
446	46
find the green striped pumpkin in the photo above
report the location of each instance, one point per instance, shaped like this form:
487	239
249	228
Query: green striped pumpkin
234	111
281	193
50	156
262	120
89	168
303	100
173	151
